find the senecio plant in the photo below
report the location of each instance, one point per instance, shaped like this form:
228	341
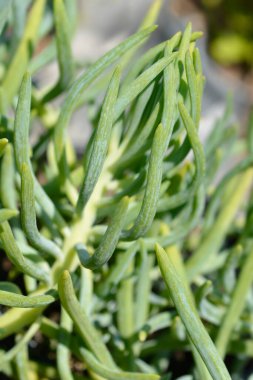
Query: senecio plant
131	259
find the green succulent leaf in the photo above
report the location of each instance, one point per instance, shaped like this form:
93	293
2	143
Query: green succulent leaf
17	300
100	143
190	318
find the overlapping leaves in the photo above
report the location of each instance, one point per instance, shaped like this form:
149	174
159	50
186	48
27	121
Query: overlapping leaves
82	228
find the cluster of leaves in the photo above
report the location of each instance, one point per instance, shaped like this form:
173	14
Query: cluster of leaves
115	256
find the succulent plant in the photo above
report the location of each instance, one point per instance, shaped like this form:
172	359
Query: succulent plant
119	257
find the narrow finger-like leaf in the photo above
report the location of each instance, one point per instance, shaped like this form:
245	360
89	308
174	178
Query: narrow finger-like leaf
193	90
190	318
64	53
170	95
7	182
184	44
87	331
28	216
177	260
22	151
63	44
15	256
195	143
22	123
197	61
152	191
18	300
100	143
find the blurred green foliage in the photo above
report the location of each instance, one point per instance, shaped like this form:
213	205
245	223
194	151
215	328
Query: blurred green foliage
230	27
